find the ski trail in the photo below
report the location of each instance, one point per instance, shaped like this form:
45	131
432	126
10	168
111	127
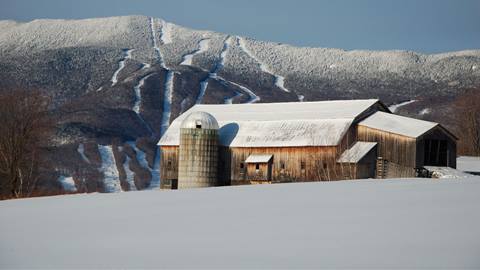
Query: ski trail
138	102
425	111
158	53
67	183
202	47
81	151
121	64
165	35
142	160
129	174
230	99
167	102
253	98
109	169
138	94
213	74
393	108
279	80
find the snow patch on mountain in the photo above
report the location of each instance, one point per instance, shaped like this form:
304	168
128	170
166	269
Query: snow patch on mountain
67	183
81	151
127	54
109	169
129	174
394	107
425	111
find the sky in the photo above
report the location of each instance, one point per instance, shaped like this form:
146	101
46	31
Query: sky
428	26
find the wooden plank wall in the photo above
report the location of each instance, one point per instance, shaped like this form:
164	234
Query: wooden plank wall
392	147
168	165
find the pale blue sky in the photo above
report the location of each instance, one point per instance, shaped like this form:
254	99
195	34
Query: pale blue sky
421	25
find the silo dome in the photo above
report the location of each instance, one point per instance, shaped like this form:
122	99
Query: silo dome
200	120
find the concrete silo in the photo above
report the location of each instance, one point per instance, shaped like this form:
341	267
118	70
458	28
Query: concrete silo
198	153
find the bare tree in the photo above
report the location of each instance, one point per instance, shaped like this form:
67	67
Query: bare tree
24	125
467	112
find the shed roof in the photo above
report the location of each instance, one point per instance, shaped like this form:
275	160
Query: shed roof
256	158
397	124
321	123
356	152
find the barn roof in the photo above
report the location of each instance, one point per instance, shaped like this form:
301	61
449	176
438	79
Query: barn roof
356	152
397	124
257	158
321	123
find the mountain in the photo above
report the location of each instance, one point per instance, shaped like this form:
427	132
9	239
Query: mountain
118	82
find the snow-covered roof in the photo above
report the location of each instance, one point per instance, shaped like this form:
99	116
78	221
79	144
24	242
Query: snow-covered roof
202	119
321	123
397	124
356	152
255	158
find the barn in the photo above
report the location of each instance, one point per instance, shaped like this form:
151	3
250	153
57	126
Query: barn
236	144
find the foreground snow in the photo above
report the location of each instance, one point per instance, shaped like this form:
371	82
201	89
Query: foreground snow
395	223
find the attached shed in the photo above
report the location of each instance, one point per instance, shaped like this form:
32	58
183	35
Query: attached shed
407	144
360	159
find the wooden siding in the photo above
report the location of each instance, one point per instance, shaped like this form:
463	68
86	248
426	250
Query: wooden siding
292	164
392	147
168	166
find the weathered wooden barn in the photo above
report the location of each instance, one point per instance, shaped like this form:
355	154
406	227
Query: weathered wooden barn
214	145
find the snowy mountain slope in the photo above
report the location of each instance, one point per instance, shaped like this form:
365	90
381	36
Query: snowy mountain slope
402	223
122	79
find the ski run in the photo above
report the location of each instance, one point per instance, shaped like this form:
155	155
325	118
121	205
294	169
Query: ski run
393	108
214	75
279	80
129	174
202	47
121	64
142	160
81	151
109	169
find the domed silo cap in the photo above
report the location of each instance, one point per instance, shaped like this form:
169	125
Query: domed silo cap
202	120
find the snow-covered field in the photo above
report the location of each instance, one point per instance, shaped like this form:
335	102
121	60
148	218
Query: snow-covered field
409	223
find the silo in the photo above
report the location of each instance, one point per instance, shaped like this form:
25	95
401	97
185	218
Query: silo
198	153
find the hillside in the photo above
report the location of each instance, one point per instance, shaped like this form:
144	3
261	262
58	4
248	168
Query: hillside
117	83
401	223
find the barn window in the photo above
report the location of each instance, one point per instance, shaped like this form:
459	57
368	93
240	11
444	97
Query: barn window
198	124
282	165
169	164
324	165
302	165
257	166
242	165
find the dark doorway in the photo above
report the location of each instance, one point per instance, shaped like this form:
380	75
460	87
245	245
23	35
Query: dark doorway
436	152
174	183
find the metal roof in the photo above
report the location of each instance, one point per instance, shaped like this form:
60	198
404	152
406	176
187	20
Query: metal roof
321	123
201	120
255	158
397	124
356	152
